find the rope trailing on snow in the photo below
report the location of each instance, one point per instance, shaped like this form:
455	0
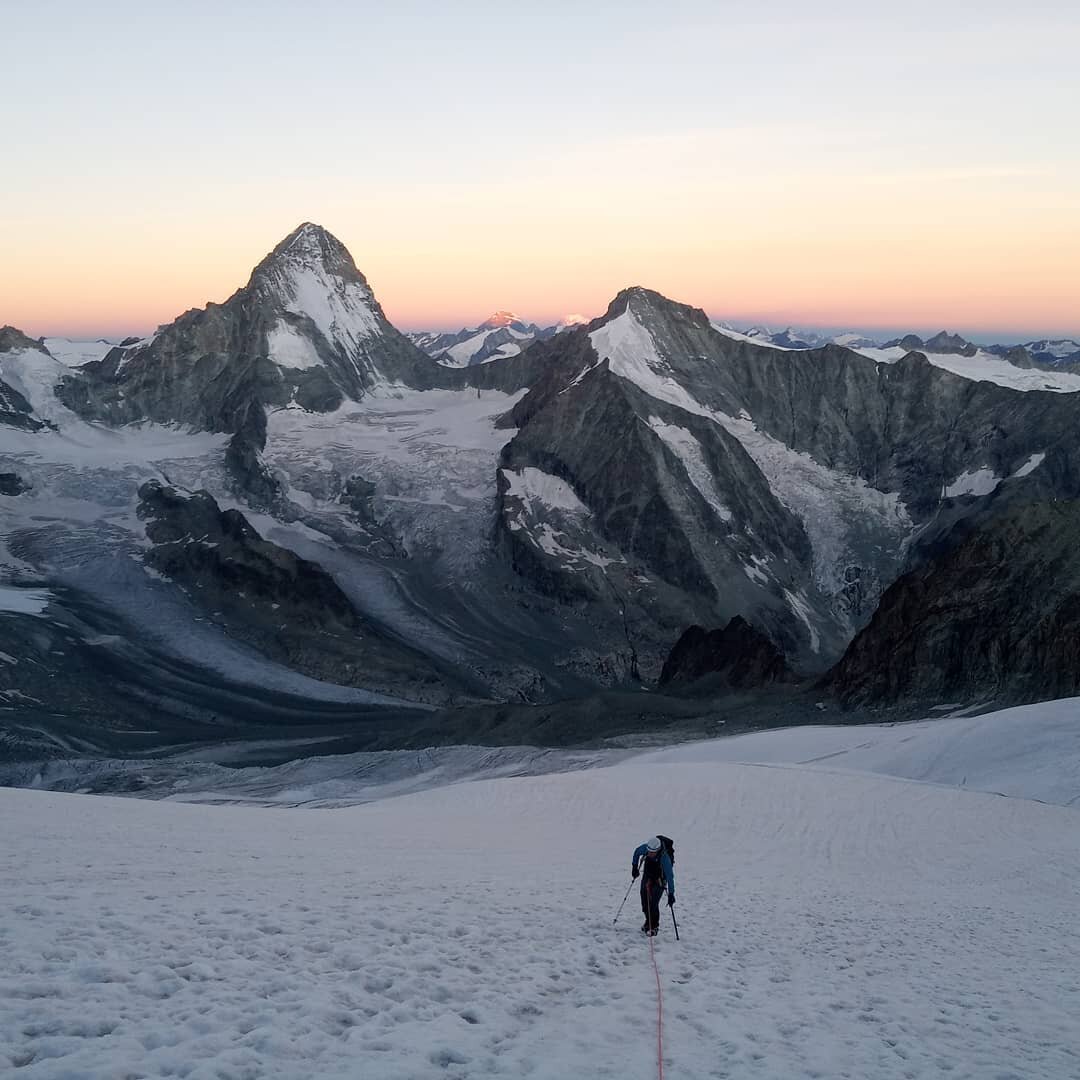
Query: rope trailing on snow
659	993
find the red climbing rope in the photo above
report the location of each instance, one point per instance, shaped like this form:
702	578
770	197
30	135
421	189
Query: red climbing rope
659	992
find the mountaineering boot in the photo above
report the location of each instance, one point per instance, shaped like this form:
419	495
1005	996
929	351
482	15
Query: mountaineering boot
651	933
645	927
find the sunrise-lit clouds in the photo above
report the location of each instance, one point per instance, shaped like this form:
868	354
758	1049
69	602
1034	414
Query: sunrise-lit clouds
914	170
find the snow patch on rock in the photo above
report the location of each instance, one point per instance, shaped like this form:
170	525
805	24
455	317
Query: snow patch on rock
288	348
1030	465
980	482
688	450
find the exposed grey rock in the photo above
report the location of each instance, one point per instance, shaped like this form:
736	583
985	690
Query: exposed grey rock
737	656
15	410
909	428
288	608
994	616
305	330
12	339
12	484
944	342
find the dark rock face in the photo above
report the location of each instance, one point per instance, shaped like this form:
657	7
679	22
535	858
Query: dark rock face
740	656
944	342
306	330
15	410
288	608
997	616
941	342
12	484
12	339
650	543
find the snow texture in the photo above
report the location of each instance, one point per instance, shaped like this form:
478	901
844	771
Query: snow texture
16	601
76	353
737	335
832	506
631	353
432	456
832	924
688	450
986	367
461	354
288	348
548	513
829	504
34	374
980	482
1030	465
530	484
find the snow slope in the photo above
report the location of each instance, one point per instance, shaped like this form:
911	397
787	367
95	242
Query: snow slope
832	924
73	353
1031	752
986	367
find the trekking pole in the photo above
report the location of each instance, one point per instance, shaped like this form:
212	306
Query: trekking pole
673	922
619	912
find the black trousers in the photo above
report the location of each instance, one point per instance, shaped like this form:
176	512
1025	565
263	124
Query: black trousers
651	891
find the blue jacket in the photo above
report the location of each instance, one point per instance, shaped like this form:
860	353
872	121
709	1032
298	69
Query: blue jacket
665	866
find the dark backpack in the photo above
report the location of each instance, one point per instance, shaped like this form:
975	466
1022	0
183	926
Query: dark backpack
651	867
669	846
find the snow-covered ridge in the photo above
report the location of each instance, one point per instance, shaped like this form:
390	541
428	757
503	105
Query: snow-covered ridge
986	367
827	502
312	276
749	338
34	374
1059	349
461	354
548	513
628	347
76	352
1028	752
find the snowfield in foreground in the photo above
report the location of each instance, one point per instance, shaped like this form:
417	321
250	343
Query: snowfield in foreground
834	924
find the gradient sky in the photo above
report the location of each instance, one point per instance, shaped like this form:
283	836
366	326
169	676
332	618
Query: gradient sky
822	165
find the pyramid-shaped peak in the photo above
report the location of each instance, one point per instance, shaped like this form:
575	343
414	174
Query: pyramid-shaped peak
647	306
313	246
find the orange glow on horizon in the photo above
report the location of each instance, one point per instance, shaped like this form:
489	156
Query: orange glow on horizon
894	260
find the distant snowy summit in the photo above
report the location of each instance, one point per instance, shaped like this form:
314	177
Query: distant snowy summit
502	334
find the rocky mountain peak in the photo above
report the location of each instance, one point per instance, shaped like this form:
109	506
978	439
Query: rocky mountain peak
649	307
738	654
311	274
12	338
944	342
498	319
312	246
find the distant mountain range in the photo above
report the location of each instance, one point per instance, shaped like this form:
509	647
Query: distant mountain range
1040	353
281	506
505	334
502	334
